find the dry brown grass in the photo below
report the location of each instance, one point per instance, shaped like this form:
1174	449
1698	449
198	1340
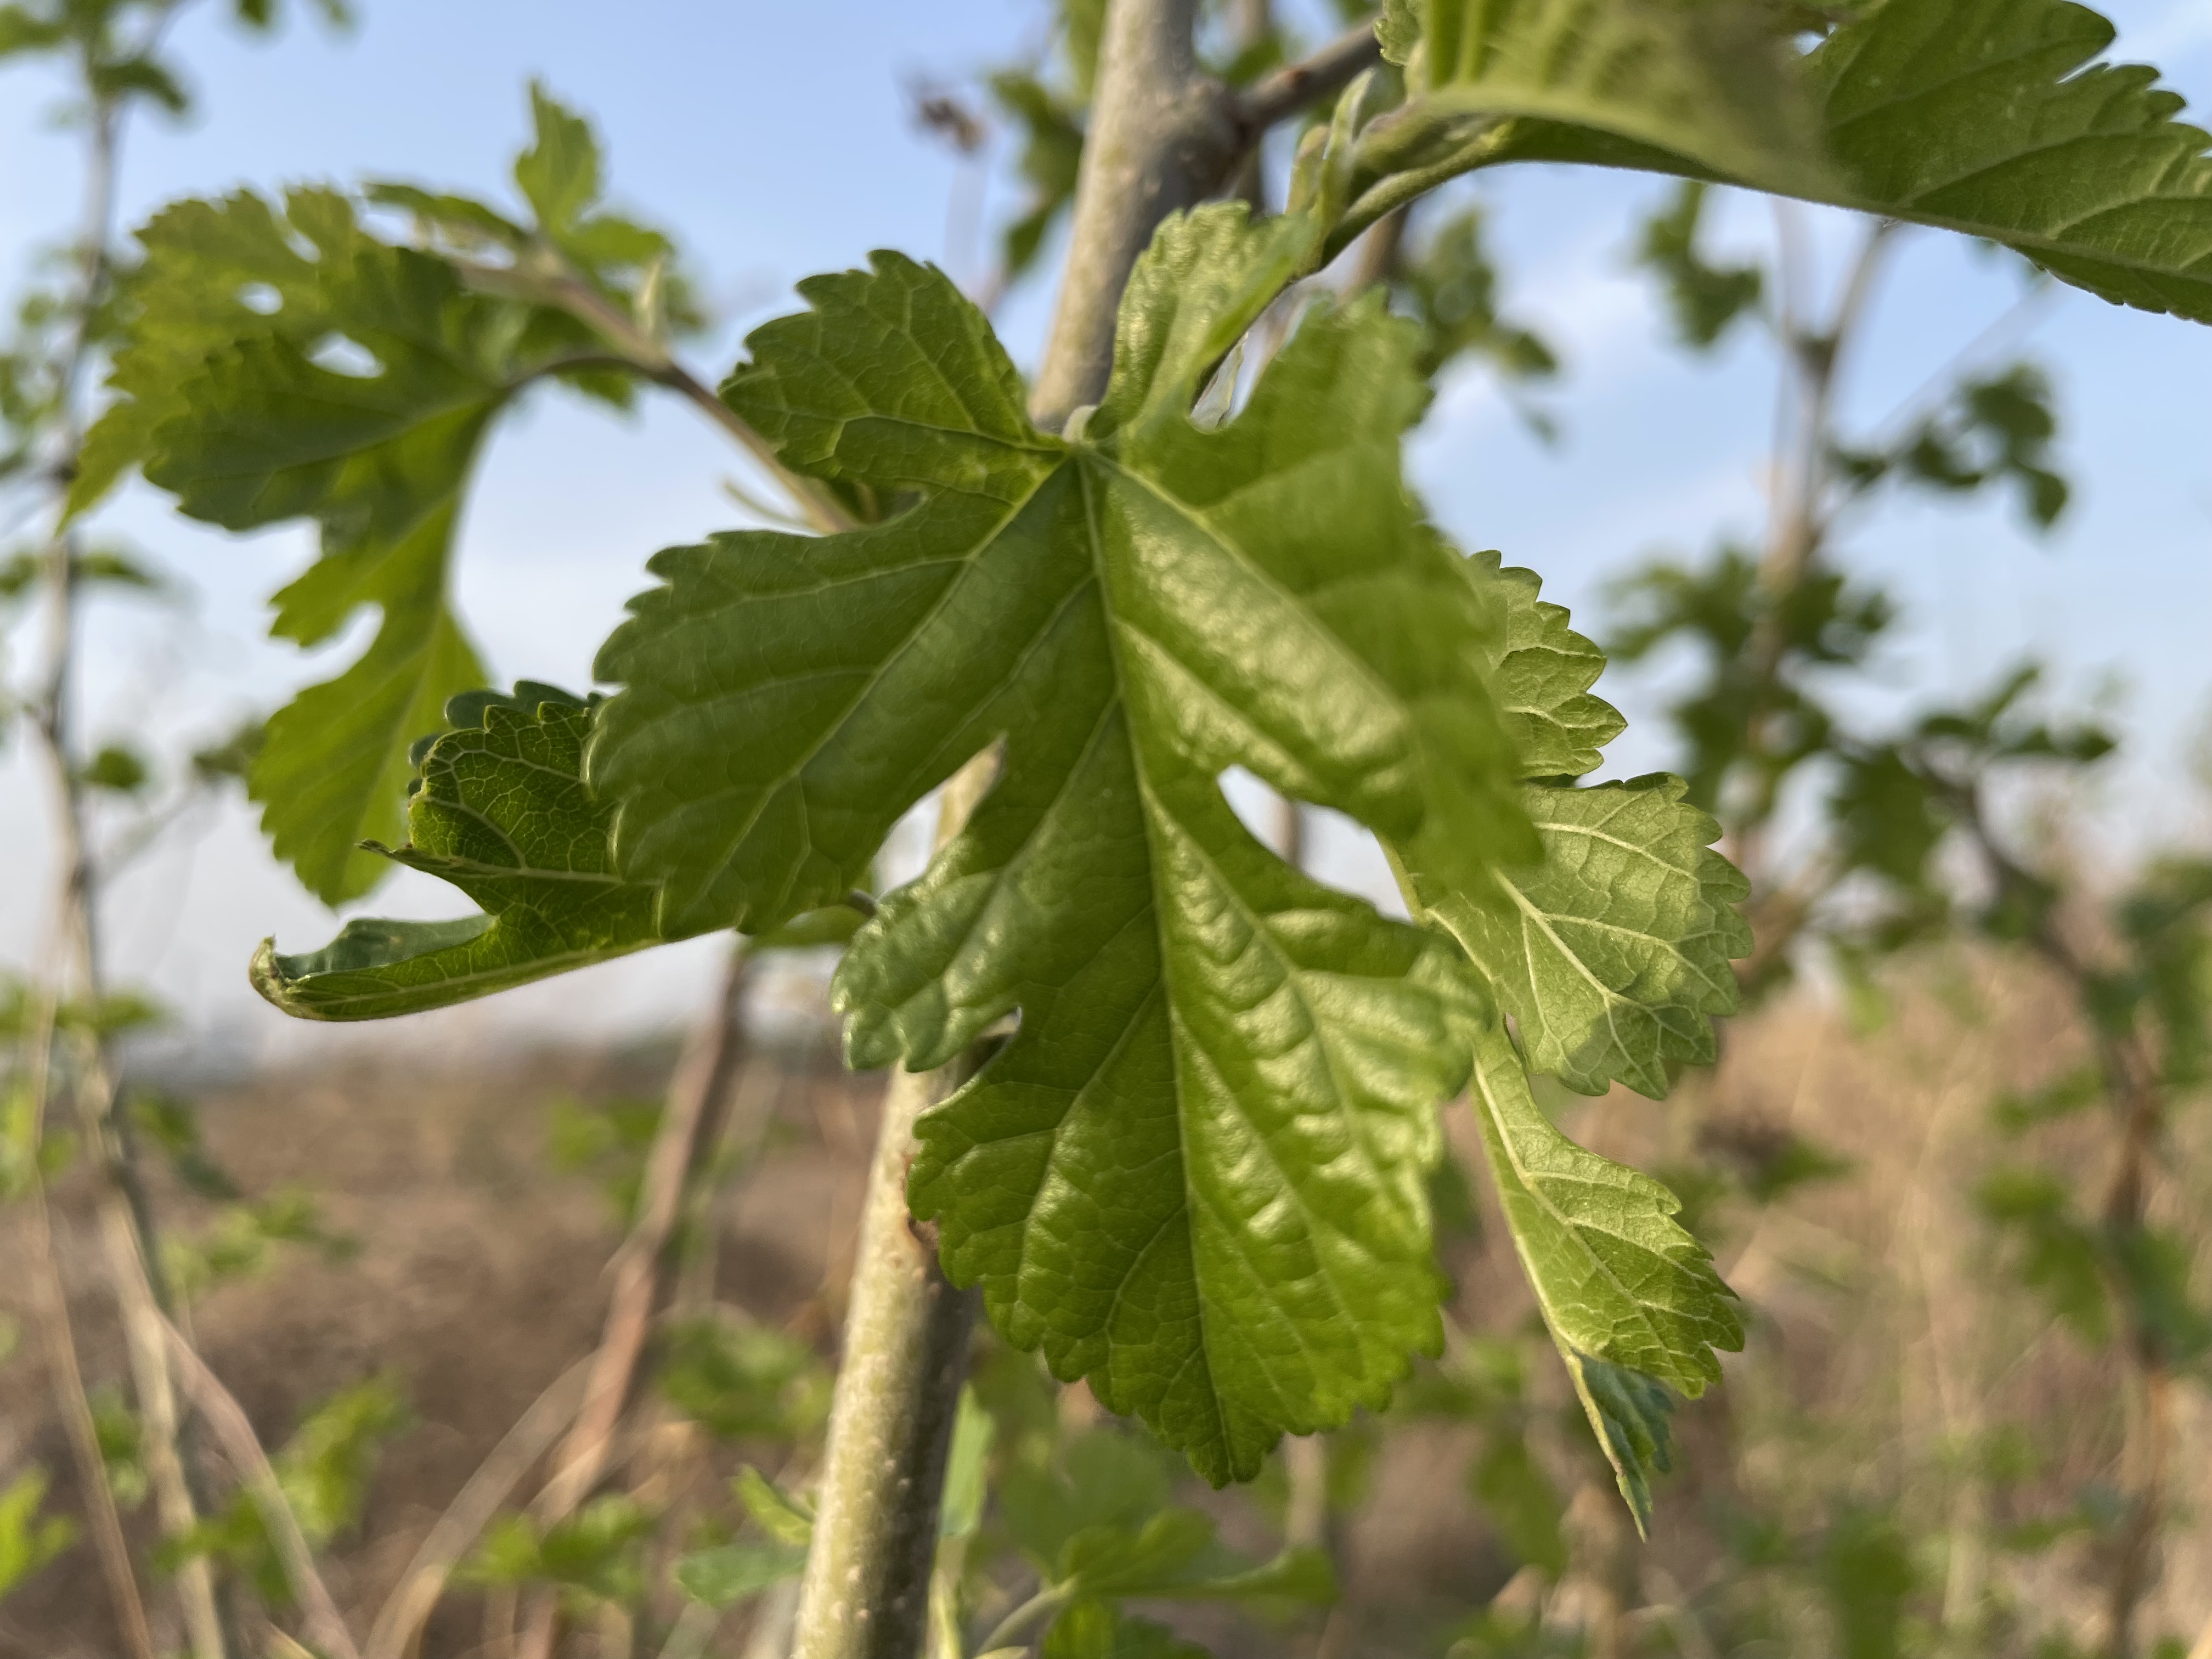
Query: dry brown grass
1886	1335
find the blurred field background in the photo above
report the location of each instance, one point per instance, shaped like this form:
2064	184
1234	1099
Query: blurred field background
1907	1457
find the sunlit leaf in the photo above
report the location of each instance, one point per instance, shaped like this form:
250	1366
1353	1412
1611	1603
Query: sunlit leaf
1993	118
227	402
1631	1298
1613	954
1713	83
1617	1277
1544	678
1207	1036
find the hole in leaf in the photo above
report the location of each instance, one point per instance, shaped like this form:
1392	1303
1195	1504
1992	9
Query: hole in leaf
1338	851
1257	806
261	299
341	355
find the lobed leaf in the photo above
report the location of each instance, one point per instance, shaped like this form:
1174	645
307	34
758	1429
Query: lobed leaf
889	376
1990	117
1196	1173
562	176
727	1574
559	175
224	401
280	365
214	274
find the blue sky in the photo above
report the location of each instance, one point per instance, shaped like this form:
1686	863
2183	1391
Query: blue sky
775	140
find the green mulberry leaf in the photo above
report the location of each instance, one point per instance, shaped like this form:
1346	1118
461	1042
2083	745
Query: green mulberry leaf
290	365
1711	81
227	404
501	812
241	420
1631	1297
1544	679
890	378
1618	1279
559	175
1195	1175
562	178
334	762
728	1574
215	274
1990	117
562	175
1171	1557
1613	954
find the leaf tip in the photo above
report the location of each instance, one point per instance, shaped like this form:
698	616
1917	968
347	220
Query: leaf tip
266	973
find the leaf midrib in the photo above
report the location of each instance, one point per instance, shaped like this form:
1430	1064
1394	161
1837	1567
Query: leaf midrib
1203	1348
1348	659
1151	810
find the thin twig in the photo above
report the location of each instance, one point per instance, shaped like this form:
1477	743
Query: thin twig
644	1270
399	1622
125	1215
234	1431
1297	86
69	1396
1028	1616
637	350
